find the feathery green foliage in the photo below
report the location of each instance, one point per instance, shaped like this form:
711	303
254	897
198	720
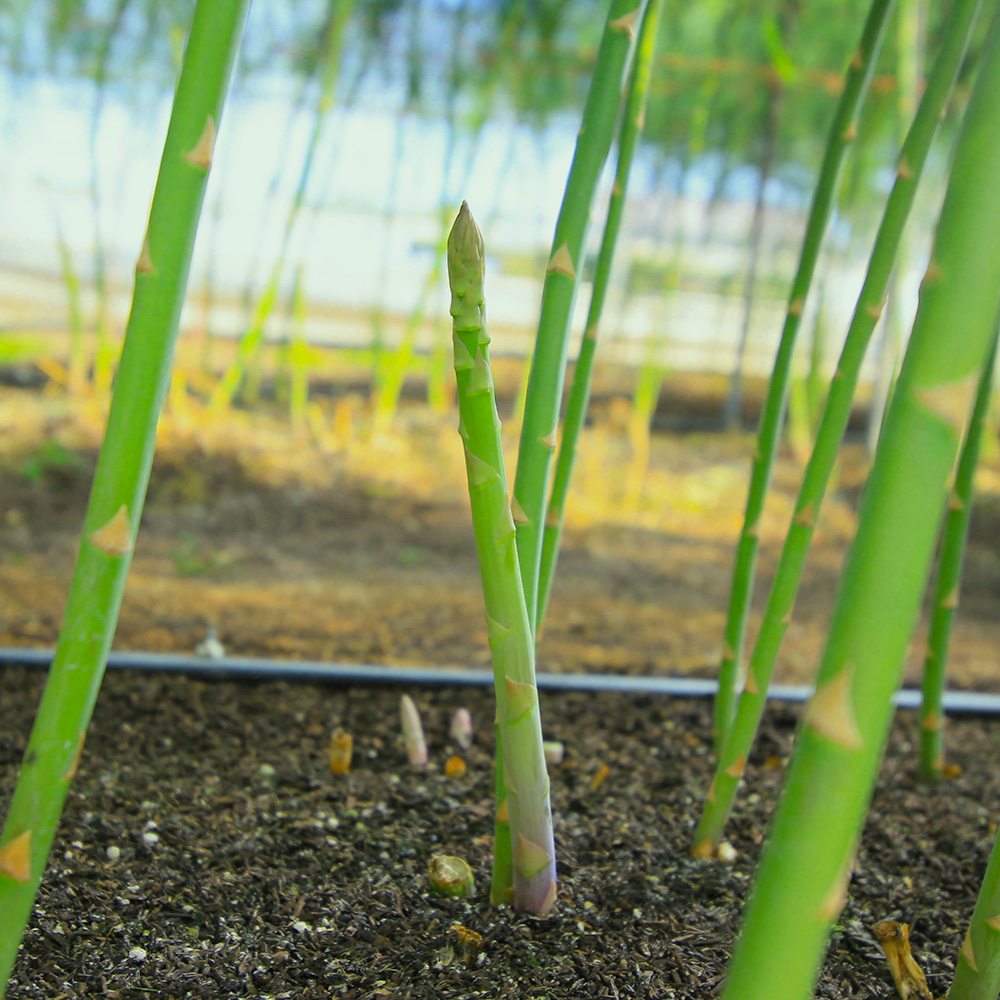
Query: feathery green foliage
122	474
803	876
842	132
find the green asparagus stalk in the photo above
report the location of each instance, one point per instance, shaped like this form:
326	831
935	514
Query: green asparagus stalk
122	475
837	411
803	875
977	969
579	394
524	820
842	132
953	537
562	279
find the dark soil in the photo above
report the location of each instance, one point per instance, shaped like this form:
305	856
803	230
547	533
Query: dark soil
243	868
247	870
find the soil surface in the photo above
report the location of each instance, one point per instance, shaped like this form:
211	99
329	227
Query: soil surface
206	850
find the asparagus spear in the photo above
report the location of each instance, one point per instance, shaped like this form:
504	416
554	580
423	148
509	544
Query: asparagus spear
524	818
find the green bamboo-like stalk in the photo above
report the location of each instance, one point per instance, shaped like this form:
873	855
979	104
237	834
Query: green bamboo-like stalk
788	573
522	778
977	968
562	279
579	393
803	875
842	132
123	465
953	537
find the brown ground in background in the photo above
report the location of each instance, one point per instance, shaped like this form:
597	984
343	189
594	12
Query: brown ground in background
348	550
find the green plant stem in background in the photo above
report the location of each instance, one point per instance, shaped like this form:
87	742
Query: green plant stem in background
949	574
338	13
842	132
562	279
298	357
805	870
788	574
522	778
77	367
123	465
977	969
579	394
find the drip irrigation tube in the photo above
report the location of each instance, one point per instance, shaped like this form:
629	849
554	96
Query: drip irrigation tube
250	668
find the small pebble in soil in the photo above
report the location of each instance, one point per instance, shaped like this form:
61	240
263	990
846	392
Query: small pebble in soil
113	852
726	852
137	954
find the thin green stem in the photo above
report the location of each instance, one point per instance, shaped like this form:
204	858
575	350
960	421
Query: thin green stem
562	279
579	394
122	475
953	537
803	877
842	132
788	573
522	778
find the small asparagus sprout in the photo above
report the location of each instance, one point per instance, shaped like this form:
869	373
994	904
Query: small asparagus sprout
894	939
524	854
461	728
454	767
450	876
341	749
413	732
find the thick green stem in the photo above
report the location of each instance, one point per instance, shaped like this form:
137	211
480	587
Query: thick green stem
579	394
521	763
977	969
804	873
841	134
956	529
788	573
562	279
123	465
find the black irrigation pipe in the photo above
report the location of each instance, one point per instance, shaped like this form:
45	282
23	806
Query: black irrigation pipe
250	668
